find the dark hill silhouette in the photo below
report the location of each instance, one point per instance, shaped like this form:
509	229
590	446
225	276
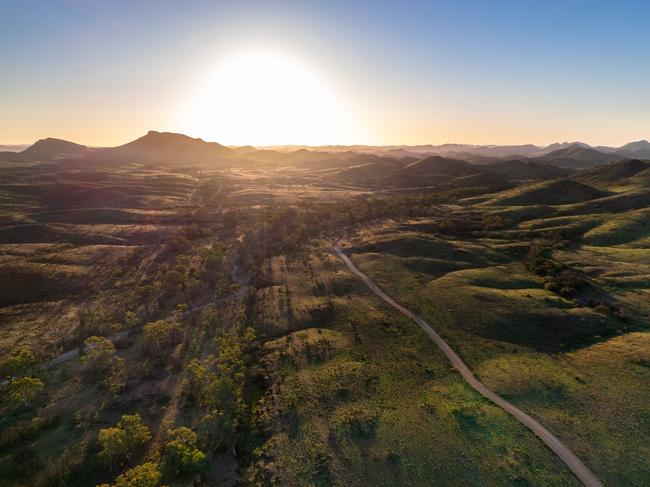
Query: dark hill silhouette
436	165
440	160
577	156
364	174
350	159
51	148
166	147
46	150
557	192
523	170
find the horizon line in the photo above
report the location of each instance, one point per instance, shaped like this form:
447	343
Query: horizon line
359	144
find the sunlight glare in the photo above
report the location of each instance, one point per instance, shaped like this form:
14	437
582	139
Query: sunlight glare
264	97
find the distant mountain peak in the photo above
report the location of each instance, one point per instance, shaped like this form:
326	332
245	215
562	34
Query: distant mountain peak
50	148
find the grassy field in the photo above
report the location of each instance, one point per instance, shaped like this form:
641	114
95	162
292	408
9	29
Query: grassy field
581	372
369	400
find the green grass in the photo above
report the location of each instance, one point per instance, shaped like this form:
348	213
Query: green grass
580	373
625	228
384	407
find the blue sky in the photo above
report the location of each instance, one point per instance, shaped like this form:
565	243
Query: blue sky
408	72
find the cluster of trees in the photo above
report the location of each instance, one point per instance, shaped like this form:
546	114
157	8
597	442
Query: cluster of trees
176	283
187	277
217	386
23	387
97	321
120	445
558	278
285	229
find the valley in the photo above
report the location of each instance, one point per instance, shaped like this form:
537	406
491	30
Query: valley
195	286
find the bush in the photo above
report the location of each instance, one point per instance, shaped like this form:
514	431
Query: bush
93	321
358	420
552	285
496	222
601	308
22	432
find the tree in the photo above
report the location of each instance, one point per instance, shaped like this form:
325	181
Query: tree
24	389
160	335
99	354
200	378
182	456
145	475
112	442
123	440
100	360
19	361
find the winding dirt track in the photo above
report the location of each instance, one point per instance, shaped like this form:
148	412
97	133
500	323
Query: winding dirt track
579	469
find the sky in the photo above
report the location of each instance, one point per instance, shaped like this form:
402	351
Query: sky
334	72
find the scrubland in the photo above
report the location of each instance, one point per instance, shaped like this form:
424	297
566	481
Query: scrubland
189	324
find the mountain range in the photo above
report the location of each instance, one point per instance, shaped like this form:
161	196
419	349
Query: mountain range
165	147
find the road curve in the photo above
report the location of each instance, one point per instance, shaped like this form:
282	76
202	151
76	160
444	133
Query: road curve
579	469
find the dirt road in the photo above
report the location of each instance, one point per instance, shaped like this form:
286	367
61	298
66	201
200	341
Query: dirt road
579	469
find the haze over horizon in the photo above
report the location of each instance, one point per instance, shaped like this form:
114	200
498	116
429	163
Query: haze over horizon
287	73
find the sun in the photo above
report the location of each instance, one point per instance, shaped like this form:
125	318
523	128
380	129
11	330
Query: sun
267	97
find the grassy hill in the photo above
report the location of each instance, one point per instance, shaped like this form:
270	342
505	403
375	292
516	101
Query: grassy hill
616	175
557	192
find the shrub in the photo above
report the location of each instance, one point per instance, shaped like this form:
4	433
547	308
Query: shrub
552	285
131	319
22	432
496	222
447	226
358	420
92	321
601	308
